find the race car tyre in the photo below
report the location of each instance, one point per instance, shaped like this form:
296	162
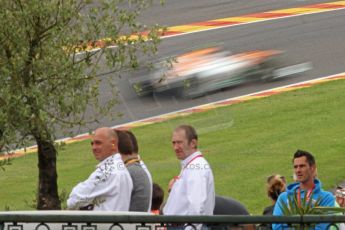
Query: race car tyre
267	71
190	89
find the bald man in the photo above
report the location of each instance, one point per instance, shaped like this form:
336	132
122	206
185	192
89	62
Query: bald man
109	187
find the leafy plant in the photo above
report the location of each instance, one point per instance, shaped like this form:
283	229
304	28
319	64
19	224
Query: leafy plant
306	206
292	207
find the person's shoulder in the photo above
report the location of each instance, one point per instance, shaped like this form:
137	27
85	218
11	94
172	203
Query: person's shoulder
268	210
327	194
327	198
136	169
229	206
201	159
283	196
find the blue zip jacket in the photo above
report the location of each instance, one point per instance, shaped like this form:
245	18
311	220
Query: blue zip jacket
327	199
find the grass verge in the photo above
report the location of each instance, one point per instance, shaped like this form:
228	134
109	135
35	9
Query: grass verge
244	144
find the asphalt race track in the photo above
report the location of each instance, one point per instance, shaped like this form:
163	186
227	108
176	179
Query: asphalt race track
316	38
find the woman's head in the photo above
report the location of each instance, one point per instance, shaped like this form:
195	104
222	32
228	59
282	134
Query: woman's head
340	196
276	184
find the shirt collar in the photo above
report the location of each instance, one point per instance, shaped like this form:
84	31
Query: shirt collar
117	156
189	158
114	156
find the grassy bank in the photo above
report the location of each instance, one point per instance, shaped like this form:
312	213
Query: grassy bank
244	143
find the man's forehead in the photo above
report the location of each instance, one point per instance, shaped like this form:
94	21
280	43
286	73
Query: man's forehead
300	161
180	133
100	135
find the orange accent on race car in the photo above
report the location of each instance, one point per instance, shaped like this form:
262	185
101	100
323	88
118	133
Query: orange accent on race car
191	60
256	56
195	59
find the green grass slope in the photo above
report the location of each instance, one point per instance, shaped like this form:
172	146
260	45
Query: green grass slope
244	143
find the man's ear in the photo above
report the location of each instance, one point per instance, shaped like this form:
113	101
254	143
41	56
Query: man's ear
194	143
314	170
114	143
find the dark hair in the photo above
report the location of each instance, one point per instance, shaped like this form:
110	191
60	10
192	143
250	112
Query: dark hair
190	132
157	197
133	141
276	184
124	142
301	153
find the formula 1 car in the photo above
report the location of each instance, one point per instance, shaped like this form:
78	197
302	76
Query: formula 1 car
196	73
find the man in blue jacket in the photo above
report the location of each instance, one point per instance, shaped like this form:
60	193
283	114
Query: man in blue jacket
306	187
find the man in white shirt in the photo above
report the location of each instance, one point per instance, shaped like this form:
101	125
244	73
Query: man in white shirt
192	192
109	187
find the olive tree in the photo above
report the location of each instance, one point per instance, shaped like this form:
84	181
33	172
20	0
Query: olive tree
51	54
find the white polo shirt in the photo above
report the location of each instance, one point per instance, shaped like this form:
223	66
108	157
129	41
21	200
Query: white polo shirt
193	192
108	188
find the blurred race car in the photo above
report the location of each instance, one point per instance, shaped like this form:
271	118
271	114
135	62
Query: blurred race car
198	72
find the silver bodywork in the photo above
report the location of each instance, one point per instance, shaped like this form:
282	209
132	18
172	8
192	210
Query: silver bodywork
198	72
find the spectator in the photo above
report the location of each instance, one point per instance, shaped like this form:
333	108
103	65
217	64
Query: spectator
109	187
340	198
230	206
307	187
192	192
276	184
142	164
141	193
157	199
